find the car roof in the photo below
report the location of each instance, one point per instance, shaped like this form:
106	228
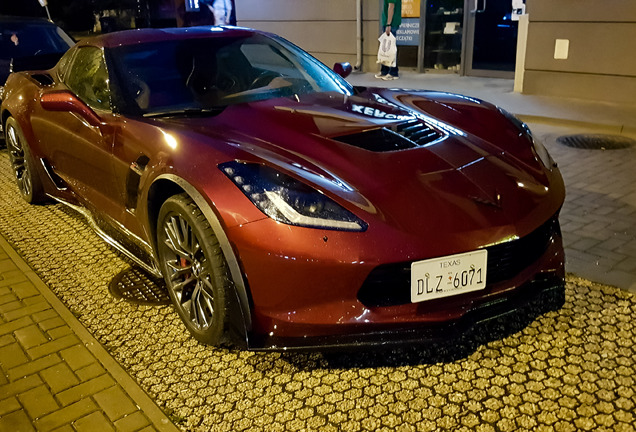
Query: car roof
132	37
10	19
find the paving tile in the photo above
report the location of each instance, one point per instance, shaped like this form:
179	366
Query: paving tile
59	377
30	336
25	290
25	311
40	317
12	277
53	346
87	388
33	367
89	372
9	306
115	403
31	301
8	298
77	356
20	385
9	405
65	415
65	428
132	422
51	323
93	422
38	402
7	265
12	356
16	421
59	332
6	340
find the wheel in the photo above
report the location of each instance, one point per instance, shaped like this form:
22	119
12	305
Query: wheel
26	177
194	268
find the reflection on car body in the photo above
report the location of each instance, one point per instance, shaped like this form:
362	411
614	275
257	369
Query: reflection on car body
283	207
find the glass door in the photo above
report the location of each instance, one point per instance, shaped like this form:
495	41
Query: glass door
443	35
491	38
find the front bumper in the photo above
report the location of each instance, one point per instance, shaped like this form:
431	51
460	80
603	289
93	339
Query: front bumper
487	321
324	309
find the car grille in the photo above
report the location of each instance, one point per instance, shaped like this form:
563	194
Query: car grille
390	284
409	134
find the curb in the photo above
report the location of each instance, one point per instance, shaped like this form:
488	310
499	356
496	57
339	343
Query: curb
158	419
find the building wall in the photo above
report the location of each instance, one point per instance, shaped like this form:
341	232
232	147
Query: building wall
325	28
600	63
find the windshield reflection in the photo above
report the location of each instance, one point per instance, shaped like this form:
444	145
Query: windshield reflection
205	73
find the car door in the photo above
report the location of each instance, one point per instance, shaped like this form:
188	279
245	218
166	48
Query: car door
81	154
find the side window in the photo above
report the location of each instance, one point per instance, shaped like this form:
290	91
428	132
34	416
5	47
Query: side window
88	78
63	64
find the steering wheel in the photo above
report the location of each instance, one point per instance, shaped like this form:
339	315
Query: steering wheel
263	79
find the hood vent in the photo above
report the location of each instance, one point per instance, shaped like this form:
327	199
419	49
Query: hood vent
410	134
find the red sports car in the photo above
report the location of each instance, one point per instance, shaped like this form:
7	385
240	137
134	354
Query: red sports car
284	207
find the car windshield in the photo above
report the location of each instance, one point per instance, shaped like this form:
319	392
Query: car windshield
205	74
24	40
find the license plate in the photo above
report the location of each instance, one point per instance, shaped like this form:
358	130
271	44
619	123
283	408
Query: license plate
448	276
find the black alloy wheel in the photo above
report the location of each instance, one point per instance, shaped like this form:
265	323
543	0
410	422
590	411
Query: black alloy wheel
194	268
22	164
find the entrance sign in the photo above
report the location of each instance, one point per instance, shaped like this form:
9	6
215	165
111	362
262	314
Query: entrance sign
409	32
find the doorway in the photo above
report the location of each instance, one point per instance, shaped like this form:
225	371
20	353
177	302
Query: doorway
491	39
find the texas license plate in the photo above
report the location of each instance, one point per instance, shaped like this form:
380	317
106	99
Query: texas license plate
448	276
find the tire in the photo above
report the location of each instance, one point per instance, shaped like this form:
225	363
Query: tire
194	269
26	177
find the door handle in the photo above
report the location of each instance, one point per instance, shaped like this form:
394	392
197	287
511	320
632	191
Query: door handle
476	8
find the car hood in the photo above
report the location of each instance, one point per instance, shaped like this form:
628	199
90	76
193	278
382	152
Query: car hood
457	182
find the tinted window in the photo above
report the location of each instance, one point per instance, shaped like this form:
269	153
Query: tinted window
218	71
22	40
88	78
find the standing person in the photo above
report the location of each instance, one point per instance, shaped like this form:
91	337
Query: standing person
391	20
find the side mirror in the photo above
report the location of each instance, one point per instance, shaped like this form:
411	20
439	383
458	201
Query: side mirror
66	101
343	69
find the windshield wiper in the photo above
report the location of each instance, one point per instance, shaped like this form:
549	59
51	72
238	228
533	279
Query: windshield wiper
186	112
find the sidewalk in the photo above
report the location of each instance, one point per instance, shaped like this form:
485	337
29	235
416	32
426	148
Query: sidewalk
54	374
612	118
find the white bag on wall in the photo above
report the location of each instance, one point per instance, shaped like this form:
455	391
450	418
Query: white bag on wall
387	53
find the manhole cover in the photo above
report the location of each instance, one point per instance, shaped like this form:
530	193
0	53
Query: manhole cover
596	142
137	286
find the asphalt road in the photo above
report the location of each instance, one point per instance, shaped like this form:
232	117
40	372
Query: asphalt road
568	370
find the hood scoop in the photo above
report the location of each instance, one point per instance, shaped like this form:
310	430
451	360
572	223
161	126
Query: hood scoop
410	134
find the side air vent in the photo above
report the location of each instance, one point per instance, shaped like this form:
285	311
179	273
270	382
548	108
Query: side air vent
410	134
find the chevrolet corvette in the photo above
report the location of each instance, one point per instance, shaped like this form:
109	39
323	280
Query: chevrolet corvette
284	207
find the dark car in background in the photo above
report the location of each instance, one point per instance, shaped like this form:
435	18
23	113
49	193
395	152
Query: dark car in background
284	207
29	43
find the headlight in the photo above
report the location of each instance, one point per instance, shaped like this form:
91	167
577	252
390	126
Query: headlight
288	200
539	149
